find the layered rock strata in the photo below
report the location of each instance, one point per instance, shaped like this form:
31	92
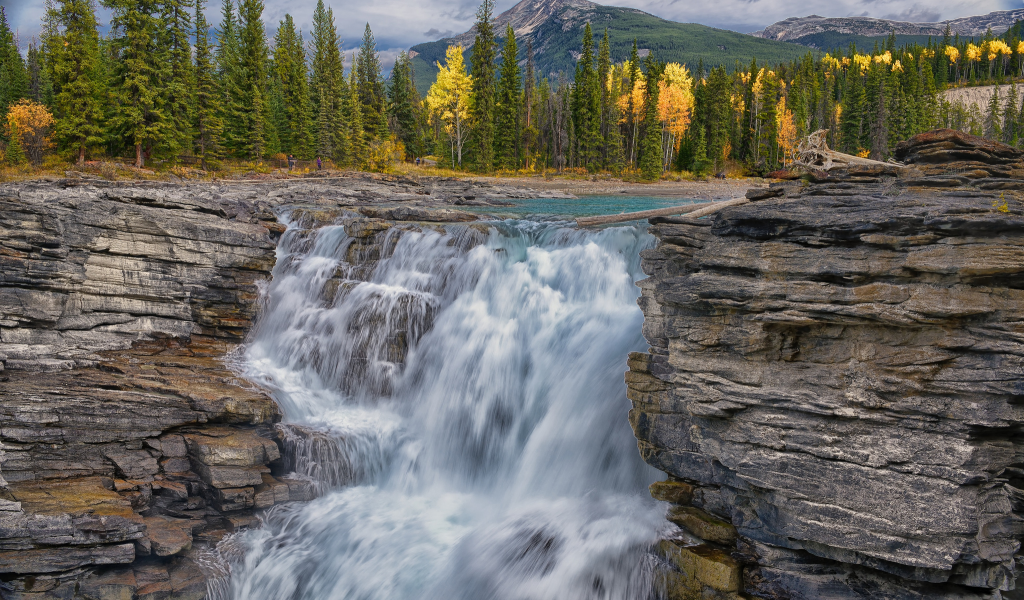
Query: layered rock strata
128	444
834	382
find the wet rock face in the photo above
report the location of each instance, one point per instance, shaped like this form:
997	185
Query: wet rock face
128	445
837	374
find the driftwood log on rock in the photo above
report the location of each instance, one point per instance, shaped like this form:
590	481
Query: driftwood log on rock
696	210
813	152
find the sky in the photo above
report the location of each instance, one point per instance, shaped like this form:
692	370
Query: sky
399	24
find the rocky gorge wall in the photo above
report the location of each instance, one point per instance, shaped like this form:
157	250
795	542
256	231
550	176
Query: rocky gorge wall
835	382
128	444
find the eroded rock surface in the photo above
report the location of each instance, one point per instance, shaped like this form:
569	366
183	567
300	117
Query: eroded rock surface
128	444
834	382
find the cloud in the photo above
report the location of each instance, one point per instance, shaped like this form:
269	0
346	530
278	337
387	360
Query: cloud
916	14
402	23
437	34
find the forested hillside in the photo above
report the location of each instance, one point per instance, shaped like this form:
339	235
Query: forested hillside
556	41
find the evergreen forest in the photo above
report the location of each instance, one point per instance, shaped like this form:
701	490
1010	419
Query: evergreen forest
163	86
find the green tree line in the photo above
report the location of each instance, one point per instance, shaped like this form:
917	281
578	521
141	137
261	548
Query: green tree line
162	84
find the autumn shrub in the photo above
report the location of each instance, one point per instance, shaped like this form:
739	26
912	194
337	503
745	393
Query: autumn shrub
383	154
31	124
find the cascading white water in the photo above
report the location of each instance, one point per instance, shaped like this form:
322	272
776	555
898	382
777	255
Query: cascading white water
494	459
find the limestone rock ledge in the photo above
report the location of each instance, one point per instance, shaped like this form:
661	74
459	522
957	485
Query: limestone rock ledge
127	443
835	381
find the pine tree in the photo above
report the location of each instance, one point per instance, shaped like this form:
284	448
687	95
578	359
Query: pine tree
13	80
483	73
403	104
370	86
587	104
207	123
356	131
39	88
632	124
74	63
1011	134
290	73
252	54
650	150
328	92
611	148
993	117
175	29
508	106
529	112
15	152
138	112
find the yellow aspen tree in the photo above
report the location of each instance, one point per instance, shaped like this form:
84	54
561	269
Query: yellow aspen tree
787	130
448	100
675	106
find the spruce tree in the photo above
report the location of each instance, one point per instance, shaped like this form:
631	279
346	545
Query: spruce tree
15	154
231	82
650	149
611	146
13	79
207	124
252	55
356	131
994	117
138	112
39	88
74	62
328	92
370	86
529	112
1011	134
402	105
632	123
175	31
290	73
587	105
483	72
507	108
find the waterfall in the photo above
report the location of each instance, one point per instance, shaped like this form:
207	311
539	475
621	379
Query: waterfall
457	396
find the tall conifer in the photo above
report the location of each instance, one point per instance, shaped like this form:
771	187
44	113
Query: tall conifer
290	72
138	112
252	54
328	90
370	86
207	123
483	72
587	104
650	161
175	31
13	79
75	59
402	106
507	108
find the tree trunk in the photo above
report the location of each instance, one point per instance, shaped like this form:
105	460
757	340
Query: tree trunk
81	154
138	156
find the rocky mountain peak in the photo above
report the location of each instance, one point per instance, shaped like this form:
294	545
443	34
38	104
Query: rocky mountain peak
526	16
797	27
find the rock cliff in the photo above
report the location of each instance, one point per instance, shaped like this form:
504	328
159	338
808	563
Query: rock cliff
128	445
834	382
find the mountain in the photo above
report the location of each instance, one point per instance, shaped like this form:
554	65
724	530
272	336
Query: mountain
556	29
830	32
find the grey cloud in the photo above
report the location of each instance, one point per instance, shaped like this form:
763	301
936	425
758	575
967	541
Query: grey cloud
436	34
916	14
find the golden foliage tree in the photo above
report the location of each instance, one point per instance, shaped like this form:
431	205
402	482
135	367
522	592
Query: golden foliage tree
449	100
32	123
675	108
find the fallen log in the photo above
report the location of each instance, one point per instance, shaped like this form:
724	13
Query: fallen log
696	210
